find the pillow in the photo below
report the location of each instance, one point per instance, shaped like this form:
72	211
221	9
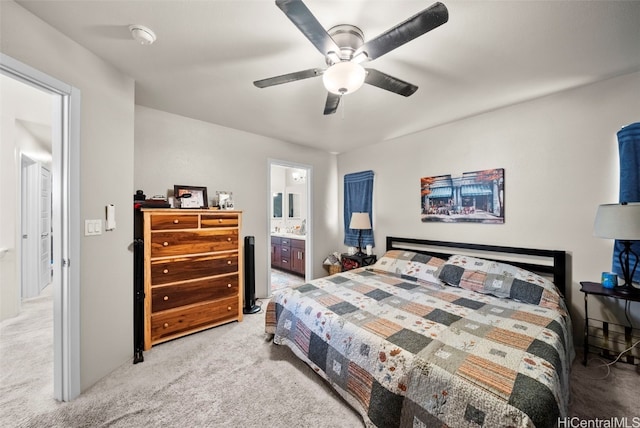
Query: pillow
499	279
410	265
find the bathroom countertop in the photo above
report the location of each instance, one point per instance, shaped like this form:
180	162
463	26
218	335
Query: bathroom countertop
289	235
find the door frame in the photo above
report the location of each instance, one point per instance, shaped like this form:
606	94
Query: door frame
65	173
308	250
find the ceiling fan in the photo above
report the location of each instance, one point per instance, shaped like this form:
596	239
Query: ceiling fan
344	49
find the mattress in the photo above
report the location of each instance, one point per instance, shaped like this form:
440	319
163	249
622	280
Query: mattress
405	349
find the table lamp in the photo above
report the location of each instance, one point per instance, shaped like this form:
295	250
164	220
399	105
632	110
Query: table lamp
621	222
360	222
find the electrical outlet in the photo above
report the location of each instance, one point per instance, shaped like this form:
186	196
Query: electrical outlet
92	227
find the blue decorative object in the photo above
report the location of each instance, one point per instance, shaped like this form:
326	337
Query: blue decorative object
609	280
629	151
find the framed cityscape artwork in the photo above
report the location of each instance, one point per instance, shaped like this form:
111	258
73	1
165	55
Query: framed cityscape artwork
474	197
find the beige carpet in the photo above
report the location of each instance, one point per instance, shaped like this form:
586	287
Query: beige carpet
229	376
281	279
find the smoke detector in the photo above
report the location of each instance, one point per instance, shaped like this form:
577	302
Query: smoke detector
141	34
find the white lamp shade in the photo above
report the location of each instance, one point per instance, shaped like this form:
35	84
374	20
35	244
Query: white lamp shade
360	221
618	221
344	77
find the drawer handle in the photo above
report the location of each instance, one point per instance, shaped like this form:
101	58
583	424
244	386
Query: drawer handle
176	221
228	285
165	298
228	262
165	244
165	325
229	239
228	308
219	220
165	271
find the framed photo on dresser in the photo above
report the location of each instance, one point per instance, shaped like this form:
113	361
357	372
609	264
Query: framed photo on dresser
191	196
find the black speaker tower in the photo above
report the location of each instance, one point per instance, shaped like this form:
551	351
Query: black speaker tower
250	306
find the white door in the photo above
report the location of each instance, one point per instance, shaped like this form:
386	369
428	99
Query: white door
45	228
30	228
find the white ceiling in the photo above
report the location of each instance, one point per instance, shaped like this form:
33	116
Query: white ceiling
490	54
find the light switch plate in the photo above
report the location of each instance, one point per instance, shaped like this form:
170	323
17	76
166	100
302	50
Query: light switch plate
92	227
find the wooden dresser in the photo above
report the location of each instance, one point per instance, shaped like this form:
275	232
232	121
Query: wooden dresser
192	271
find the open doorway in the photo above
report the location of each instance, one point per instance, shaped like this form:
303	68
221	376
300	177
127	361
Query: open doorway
290	218
35	225
56	190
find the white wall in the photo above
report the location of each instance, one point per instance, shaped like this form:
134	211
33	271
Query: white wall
106	173
172	149
561	161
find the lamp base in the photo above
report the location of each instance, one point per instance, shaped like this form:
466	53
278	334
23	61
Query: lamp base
628	272
627	289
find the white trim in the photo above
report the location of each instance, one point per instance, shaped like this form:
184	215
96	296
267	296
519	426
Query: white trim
65	222
308	250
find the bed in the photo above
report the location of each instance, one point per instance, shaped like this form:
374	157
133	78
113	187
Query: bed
438	334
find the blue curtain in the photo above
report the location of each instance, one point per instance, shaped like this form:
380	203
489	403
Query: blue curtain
358	198
629	150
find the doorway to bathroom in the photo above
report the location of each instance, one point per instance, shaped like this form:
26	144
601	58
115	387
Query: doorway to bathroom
289	224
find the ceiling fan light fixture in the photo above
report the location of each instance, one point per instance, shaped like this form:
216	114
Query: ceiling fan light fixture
344	77
141	34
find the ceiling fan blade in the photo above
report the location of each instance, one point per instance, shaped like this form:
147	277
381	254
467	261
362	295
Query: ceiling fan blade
420	23
331	106
389	83
302	18
290	77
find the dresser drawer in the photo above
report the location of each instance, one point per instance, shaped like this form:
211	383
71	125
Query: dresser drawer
170	323
219	220
176	295
174	221
185	268
193	242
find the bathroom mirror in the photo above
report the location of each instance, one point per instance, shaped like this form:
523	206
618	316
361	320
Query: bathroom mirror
294	205
277	205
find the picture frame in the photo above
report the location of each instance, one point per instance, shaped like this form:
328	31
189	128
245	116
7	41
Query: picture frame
198	198
225	199
474	197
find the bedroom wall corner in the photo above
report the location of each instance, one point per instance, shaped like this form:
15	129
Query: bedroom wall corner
172	149
560	159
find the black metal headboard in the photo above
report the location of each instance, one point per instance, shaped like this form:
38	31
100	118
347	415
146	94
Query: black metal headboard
544	262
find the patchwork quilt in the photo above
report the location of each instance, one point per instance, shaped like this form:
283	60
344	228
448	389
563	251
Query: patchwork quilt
407	352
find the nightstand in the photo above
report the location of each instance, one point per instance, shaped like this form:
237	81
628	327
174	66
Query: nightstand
597	289
355	261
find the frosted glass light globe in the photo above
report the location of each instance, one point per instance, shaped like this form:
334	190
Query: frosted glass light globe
344	77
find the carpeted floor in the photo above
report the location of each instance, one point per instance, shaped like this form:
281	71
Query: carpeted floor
281	279
229	376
